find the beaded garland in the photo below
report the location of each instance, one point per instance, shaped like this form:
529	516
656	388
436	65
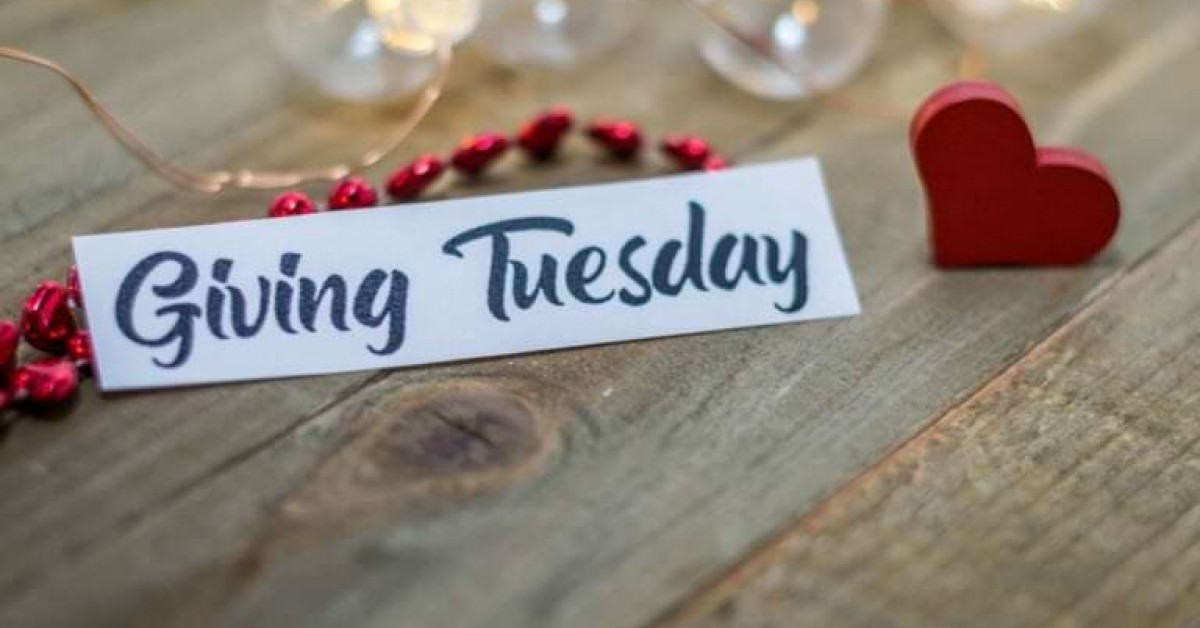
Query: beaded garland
52	316
539	138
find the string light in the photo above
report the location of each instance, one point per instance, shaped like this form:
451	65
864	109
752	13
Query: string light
1060	6
431	28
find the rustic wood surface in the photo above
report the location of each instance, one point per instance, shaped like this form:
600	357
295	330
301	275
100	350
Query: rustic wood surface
1005	448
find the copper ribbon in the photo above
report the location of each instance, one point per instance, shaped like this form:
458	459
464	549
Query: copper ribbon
212	182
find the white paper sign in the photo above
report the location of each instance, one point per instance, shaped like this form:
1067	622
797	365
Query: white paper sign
433	282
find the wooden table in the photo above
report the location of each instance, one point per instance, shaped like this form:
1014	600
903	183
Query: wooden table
992	448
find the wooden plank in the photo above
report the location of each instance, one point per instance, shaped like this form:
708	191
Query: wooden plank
157	448
1065	493
591	487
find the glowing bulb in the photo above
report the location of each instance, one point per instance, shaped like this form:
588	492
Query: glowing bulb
452	20
806	12
551	12
381	8
1003	27
357	50
553	34
395	30
807	46
1059	6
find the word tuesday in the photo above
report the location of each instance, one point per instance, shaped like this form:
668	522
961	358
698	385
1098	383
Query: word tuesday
167	286
675	266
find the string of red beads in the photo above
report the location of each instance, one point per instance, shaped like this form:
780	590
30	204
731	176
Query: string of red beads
539	138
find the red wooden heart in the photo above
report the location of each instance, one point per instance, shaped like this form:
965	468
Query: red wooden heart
994	197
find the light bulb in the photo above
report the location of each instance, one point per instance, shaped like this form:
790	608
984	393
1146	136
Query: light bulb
791	49
1005	27
398	32
553	34
367	50
452	20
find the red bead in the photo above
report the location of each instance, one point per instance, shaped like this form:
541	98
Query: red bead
291	204
352	193
475	154
48	381
10	339
46	320
73	289
688	152
714	162
541	136
622	139
79	348
411	181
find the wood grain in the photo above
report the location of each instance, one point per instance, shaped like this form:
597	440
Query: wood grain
591	487
1065	493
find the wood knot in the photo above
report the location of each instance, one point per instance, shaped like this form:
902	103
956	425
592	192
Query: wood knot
429	447
409	452
458	432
